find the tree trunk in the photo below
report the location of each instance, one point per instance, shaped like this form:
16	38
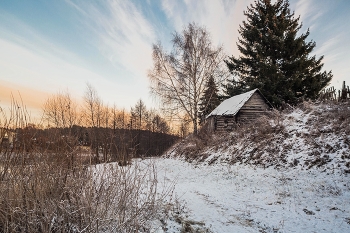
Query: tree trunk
195	125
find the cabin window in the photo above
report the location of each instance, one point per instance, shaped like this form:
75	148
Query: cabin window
225	123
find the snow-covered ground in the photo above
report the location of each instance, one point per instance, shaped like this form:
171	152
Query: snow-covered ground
245	198
288	172
310	137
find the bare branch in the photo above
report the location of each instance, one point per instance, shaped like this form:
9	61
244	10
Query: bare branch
178	78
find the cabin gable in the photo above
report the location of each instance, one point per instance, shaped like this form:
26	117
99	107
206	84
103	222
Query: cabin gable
251	106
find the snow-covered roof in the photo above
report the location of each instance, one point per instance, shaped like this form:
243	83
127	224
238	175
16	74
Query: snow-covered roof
232	105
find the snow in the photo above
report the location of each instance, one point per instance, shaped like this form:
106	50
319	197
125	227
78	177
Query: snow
232	105
312	138
245	198
287	173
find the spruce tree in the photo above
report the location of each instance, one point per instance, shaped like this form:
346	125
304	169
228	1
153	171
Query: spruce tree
274	57
210	99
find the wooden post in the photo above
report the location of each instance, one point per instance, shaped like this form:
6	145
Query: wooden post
343	92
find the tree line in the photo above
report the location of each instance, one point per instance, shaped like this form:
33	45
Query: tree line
103	133
194	76
47	183
107	130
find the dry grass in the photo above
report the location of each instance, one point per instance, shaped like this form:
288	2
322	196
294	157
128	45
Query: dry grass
194	147
44	190
313	131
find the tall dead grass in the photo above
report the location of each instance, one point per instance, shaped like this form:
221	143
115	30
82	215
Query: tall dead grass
256	132
42	190
317	132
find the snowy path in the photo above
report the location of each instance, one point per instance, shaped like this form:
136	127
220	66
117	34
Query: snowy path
245	199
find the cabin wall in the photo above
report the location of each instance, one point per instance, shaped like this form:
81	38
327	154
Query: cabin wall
210	124
254	108
221	123
225	123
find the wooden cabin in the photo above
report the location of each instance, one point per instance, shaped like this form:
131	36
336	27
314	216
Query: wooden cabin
241	108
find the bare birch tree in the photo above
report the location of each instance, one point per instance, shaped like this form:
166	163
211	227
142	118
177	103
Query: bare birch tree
61	111
178	78
93	115
93	107
139	112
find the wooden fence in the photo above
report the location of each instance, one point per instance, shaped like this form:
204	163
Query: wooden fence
332	94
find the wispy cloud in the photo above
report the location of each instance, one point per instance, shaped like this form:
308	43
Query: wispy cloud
30	59
223	17
22	67
125	36
329	45
309	11
220	17
329	34
123	32
20	33
335	58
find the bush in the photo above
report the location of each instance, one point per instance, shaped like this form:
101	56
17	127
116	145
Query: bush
46	190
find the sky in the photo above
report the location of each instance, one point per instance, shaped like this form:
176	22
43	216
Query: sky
57	46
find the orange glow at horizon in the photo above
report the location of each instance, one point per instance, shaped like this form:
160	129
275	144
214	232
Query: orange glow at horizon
32	99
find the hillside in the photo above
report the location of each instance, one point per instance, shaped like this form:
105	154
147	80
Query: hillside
288	172
309	136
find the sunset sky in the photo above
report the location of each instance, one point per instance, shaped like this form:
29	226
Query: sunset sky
51	46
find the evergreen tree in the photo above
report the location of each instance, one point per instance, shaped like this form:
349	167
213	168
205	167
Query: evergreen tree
274	57
210	99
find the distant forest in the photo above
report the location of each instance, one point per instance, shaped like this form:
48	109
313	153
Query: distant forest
109	144
92	132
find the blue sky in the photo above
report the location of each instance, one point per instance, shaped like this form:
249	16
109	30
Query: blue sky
51	46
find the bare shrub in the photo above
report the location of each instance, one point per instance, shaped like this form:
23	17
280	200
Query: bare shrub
264	127
193	146
311	135
52	190
133	201
256	133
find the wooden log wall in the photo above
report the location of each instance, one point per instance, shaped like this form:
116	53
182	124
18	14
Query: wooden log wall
225	123
253	108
